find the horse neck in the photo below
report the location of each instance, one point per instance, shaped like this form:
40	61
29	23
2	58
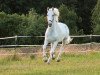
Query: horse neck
56	18
55	22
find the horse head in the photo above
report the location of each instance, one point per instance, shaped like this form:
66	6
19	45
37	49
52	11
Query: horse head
52	15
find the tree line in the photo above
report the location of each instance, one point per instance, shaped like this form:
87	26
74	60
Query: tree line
28	17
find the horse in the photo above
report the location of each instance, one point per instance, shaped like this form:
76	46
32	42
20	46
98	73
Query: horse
56	32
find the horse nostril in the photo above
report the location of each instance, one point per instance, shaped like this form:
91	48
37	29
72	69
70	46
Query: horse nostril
50	20
50	25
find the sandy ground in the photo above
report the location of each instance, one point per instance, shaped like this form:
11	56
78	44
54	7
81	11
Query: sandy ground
36	50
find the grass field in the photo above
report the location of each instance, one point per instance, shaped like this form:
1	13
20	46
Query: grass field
71	64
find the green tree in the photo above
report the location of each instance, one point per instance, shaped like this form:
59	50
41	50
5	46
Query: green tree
30	24
16	6
96	18
83	10
10	24
36	24
36	27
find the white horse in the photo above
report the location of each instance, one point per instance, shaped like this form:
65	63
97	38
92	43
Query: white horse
56	32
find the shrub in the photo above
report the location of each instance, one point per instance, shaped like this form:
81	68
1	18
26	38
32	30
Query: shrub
36	24
96	18
10	24
36	27
31	24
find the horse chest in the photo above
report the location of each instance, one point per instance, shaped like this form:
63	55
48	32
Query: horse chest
54	35
51	36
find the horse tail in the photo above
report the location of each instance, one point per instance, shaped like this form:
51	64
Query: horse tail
68	39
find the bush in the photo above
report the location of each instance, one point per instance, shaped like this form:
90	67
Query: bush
36	24
31	24
96	18
36	27
10	24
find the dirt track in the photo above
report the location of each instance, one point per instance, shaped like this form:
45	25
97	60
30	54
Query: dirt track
68	48
83	47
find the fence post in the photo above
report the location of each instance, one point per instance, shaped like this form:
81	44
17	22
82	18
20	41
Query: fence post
15	44
16	40
90	41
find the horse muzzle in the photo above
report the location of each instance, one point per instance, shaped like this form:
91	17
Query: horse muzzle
49	25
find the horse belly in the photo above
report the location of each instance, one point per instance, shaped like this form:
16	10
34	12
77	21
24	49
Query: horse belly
55	37
51	39
61	37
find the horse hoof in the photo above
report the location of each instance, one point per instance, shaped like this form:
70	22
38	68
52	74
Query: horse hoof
58	60
48	63
45	60
53	58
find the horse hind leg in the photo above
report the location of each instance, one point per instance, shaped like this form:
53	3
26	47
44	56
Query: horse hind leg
61	50
64	42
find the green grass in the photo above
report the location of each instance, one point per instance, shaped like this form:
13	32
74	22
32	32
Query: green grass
71	64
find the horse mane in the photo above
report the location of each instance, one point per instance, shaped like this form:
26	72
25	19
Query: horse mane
56	11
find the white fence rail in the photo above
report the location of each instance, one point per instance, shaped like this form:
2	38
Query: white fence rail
16	37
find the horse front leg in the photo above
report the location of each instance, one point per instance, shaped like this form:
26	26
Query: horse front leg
44	51
53	47
53	55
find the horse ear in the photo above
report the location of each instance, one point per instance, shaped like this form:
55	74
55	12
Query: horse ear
47	8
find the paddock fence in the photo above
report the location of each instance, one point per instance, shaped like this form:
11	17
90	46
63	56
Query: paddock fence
90	38
26	49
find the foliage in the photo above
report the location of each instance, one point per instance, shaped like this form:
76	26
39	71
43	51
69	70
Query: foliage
10	24
16	18
36	27
83	10
96	18
15	24
18	6
23	6
36	24
31	24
